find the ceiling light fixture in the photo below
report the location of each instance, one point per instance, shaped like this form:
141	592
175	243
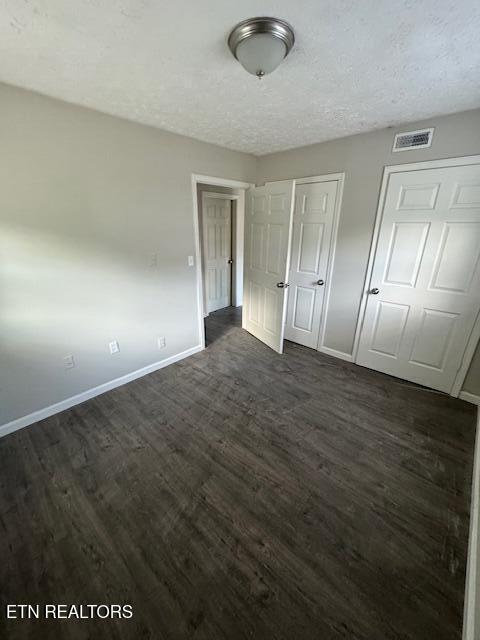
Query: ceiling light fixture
260	44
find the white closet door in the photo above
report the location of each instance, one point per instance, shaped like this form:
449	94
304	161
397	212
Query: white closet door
217	243
312	231
425	284
267	247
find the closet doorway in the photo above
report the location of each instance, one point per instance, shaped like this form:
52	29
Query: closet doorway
311	256
290	236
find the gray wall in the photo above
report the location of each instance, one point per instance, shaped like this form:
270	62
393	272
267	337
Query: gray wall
363	158
86	199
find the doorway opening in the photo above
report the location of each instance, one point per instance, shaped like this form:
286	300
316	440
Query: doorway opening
219	214
289	241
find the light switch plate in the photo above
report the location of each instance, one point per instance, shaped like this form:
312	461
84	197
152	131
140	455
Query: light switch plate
161	342
191	261
114	347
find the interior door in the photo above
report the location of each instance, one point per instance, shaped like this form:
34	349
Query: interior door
267	246
312	232
217	243
424	294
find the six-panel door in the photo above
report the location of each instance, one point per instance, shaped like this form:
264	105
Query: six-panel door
267	238
312	231
217	247
427	272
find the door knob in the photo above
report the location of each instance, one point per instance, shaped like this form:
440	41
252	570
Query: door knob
374	291
230	261
320	282
282	285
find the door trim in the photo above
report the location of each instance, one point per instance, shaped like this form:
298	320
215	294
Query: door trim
195	179
387	172
221	196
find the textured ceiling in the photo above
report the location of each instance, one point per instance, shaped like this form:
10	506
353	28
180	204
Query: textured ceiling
356	66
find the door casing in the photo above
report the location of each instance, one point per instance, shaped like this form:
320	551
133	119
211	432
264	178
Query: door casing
389	170
218	182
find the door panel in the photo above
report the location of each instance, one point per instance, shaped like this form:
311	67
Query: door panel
303	308
458	257
405	253
388	328
217	240
427	271
310	246
275	240
312	230
416	197
267	241
432	342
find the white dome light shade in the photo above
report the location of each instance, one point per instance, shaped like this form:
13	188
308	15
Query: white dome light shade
260	44
261	53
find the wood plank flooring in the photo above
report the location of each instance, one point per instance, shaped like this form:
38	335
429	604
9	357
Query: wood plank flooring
242	494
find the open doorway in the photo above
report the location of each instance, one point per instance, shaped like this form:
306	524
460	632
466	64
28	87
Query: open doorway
219	210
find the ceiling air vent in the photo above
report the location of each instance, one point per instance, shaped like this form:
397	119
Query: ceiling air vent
413	140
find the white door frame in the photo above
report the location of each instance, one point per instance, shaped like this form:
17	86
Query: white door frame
232	198
388	170
340	178
196	179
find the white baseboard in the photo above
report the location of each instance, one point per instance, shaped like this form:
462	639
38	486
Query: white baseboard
469	397
336	354
471	611
41	414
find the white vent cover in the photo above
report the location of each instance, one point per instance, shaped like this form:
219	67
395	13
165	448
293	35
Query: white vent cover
413	140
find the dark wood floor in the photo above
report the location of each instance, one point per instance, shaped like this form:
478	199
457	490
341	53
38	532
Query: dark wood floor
241	494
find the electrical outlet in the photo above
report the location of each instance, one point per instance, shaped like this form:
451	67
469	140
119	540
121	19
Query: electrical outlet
161	342
69	362
114	347
191	261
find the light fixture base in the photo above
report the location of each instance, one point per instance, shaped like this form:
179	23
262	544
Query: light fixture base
262	25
